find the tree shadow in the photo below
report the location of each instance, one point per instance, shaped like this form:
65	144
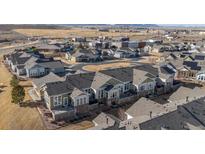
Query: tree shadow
30	104
3	86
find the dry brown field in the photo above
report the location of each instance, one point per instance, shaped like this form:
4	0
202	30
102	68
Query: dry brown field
14	117
64	33
97	68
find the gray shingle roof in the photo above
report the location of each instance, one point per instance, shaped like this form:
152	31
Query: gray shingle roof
122	74
139	76
16	59
104	120
52	64
197	108
51	77
176	120
141	109
81	81
199	57
193	65
57	88
76	92
176	64
48	47
183	92
166	70
101	80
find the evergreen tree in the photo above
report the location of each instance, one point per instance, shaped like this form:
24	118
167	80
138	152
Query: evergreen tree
14	81
18	94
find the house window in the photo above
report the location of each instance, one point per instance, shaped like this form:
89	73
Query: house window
121	89
55	101
77	102
59	100
65	101
142	88
150	86
101	94
84	100
81	101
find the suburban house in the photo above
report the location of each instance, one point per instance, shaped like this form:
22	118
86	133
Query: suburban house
166	78
185	117
179	119
83	56
73	97
143	82
100	44
30	65
130	44
79	39
97	85
125	53
40	83
41	68
200	76
187	66
78	92
48	47
64	100
140	79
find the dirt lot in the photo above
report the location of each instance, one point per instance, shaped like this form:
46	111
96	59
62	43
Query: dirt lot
121	63
12	116
60	33
96	68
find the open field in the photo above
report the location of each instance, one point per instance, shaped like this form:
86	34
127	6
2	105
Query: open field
12	116
120	63
97	68
63	33
11	35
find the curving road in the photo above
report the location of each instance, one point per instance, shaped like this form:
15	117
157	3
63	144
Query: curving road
9	49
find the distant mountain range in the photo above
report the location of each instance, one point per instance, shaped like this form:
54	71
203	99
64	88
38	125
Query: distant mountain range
181	25
136	25
57	26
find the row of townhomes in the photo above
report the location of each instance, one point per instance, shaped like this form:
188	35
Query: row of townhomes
76	94
189	66
33	64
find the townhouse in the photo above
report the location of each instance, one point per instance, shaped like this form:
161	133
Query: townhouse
39	84
188	66
83	56
64	100
125	53
140	79
77	93
33	64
